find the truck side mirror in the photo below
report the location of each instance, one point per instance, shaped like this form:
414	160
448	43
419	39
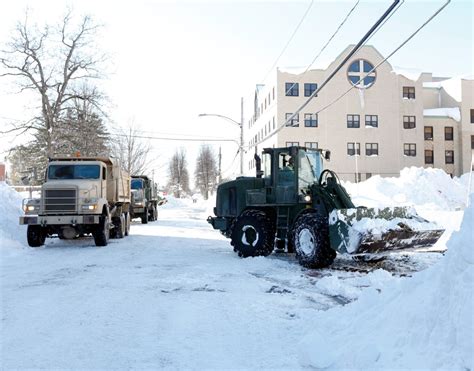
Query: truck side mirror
327	155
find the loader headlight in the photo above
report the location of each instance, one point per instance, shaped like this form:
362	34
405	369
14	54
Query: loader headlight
89	207
307	198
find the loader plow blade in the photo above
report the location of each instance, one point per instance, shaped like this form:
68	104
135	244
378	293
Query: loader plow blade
372	230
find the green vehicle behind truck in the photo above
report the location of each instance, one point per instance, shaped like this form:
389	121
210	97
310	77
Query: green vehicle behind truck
145	199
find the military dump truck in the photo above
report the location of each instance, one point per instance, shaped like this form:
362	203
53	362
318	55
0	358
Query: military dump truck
294	204
81	195
145	199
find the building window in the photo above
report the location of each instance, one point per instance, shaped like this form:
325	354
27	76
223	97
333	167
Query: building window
448	133
372	121
291	89
428	132
429	156
273	121
368	176
409	149
353	121
472	141
292	144
449	157
357	70
312	145
295	121
269	99
310	120
409	92
309	88
371	149
409	122
353	149
472	116
273	93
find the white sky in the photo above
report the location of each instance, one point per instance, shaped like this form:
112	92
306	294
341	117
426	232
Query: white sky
171	60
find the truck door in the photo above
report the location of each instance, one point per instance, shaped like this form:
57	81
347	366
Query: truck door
285	179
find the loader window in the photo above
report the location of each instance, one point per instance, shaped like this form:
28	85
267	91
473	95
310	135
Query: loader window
309	168
267	165
286	172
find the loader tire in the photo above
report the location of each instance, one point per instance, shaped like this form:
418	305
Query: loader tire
253	234
145	216
311	241
102	231
35	235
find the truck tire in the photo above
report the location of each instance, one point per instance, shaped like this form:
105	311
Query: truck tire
35	235
154	213
127	224
145	216
253	234
121	226
102	231
311	241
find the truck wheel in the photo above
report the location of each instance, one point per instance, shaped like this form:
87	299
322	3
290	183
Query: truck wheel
145	217
102	232
127	224
120	233
311	241
35	235
253	234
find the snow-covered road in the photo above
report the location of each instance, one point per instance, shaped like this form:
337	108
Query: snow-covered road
171	295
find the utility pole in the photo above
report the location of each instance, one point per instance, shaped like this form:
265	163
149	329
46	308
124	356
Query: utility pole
219	177
241	149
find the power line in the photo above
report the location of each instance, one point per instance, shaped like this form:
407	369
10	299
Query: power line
289	41
385	59
327	43
329	78
178	139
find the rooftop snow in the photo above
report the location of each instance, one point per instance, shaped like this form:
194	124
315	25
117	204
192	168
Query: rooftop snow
410	73
451	86
453	113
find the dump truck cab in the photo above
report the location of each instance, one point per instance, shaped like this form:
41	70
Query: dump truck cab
144	199
295	204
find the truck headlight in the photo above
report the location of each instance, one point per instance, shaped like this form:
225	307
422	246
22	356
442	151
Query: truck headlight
89	207
138	203
30	208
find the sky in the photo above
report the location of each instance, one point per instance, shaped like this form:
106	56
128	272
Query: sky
169	61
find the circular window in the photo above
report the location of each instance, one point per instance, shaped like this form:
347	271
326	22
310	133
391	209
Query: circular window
357	70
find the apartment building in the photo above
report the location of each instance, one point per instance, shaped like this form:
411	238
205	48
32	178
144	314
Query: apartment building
389	120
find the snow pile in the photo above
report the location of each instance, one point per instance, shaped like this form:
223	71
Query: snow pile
424	322
11	234
430	188
453	113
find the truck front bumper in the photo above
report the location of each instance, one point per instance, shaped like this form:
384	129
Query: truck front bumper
59	220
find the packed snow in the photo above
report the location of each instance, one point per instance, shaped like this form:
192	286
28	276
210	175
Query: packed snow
173	295
453	113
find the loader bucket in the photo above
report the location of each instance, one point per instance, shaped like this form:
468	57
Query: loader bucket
373	230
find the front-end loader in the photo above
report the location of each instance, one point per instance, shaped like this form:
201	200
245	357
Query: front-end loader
294	205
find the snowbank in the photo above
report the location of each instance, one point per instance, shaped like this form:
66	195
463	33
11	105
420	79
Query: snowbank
11	234
430	188
422	322
453	113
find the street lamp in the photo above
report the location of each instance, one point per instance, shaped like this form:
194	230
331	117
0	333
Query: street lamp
240	125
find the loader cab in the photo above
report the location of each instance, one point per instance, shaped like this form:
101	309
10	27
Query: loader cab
289	172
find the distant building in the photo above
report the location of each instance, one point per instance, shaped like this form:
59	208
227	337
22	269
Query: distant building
393	118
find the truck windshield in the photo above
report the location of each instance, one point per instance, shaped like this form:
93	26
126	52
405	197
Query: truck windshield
74	172
137	184
310	167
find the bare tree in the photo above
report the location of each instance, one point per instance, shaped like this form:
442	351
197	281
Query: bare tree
178	183
50	61
205	174
131	150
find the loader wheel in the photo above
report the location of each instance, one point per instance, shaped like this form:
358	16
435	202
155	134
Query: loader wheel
102	232
145	217
253	234
311	241
35	235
